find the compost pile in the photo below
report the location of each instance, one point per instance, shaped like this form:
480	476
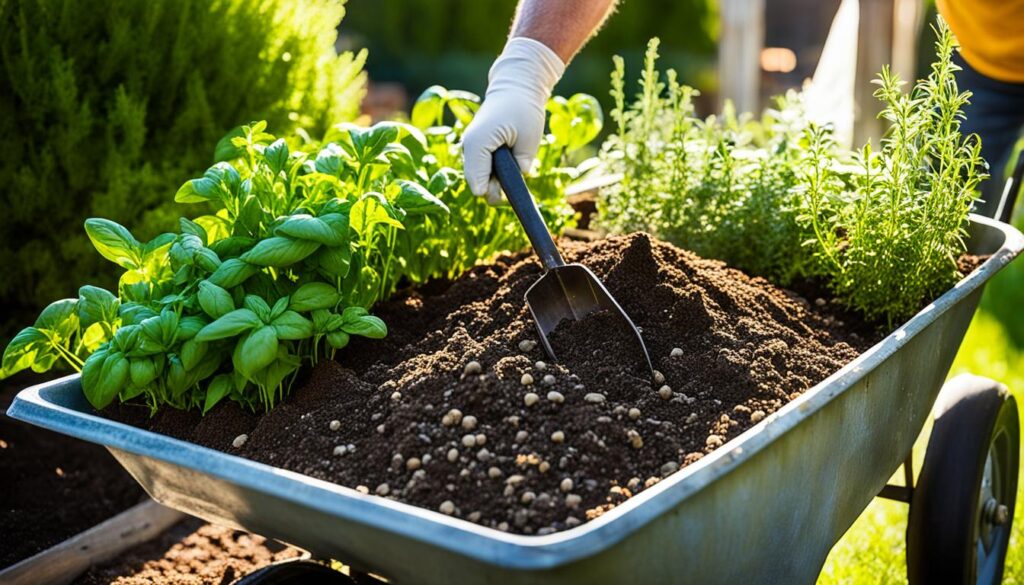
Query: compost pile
458	409
190	552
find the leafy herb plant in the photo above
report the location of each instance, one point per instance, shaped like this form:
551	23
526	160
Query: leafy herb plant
776	197
302	239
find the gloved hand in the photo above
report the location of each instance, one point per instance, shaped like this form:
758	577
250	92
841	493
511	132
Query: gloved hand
518	89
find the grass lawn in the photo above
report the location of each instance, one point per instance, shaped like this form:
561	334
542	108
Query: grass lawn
872	551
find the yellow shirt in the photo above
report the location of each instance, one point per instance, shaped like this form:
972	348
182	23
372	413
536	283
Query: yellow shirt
991	35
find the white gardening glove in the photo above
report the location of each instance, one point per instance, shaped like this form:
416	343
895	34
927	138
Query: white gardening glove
512	114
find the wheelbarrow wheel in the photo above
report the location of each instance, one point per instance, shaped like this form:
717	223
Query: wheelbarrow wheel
961	510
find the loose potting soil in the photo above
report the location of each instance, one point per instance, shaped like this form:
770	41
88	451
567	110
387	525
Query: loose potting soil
459	409
53	486
190	553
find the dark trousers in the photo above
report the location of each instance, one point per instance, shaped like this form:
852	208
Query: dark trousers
996	114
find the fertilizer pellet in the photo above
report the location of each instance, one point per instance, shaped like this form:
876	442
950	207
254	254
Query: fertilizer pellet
413	463
530	399
527	345
540	366
665	392
566	485
635	439
453	455
757	416
659	378
676	352
572	501
514	480
543	467
239	441
335	425
474	516
594	398
483	455
340	450
469	440
556	397
396	396
383	489
452	418
469	423
548	380
558	437
527	498
634	414
480	439
526	380
521	436
362	489
472	367
493	473
447	507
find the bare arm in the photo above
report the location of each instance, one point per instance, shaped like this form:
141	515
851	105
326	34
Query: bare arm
563	25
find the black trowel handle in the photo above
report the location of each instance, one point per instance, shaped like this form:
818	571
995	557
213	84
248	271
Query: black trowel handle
511	180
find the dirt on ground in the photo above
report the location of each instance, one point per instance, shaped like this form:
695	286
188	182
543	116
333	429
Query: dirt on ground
52	486
459	409
190	553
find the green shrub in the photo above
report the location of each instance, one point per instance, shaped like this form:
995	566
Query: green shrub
107	106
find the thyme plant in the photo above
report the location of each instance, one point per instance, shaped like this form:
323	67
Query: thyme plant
882	228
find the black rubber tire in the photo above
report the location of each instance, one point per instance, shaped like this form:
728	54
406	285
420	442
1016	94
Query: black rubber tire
946	535
295	572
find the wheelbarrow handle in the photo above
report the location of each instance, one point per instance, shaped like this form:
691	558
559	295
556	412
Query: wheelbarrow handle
507	171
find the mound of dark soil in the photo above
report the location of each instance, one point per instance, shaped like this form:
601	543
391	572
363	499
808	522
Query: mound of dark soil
458	409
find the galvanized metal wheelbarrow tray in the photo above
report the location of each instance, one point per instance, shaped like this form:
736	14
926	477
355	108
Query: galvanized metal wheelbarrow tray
765	508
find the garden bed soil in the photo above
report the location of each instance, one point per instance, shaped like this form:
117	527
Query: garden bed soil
190	552
53	486
528	446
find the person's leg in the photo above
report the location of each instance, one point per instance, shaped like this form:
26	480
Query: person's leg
996	114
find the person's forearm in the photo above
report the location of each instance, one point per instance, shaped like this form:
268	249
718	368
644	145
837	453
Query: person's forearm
563	25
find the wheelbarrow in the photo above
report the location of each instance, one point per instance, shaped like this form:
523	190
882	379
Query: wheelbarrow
764	508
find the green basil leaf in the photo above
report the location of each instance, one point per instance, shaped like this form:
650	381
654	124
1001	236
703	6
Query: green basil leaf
257	305
338	339
415	199
112	379
293	326
464	105
142	371
114	242
314	295
226	149
189	326
214	300
279	252
91	374
256	351
314	229
218	183
369	211
220	387
232	273
230	325
217	228
96	305
21	352
207	259
276	155
232	246
177	377
335	261
60	318
187	226
193	352
278	308
366	326
429	108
